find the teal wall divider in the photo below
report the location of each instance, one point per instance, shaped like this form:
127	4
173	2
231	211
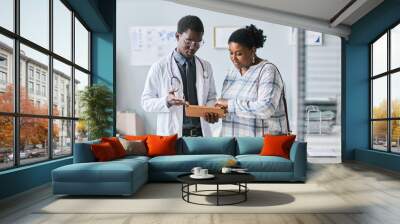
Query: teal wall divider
103	53
103	64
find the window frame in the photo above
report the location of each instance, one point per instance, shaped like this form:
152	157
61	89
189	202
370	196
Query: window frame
15	71
388	74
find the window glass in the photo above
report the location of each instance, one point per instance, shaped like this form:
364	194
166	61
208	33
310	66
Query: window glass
62	29
81	131
35	21
395	47
395	136
6	74
81	45
395	95
379	98
39	63
6	142
7	14
34	80
62	138
33	140
379	55
81	81
30	88
62	91
379	135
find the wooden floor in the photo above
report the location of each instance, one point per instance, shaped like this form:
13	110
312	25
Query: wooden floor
378	189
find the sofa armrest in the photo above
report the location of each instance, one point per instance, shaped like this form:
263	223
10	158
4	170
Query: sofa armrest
298	155
83	152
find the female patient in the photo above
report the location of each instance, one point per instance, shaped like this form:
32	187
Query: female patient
253	91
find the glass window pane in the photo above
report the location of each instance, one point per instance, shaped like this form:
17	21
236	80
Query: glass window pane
379	98
379	135
395	47
81	81
62	138
81	45
6	74
379	55
62	89
6	142
34	72
395	136
81	131
35	21
395	94
7	14
62	29
33	139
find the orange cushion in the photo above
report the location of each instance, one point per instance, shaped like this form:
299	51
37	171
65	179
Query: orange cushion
103	151
135	137
277	145
116	145
161	145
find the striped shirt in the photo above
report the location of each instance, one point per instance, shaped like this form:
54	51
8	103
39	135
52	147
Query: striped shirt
255	101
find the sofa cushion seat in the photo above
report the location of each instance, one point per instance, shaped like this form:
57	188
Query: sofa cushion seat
132	158
257	163
207	145
184	163
112	171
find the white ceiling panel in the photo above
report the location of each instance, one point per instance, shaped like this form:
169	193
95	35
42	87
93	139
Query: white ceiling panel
327	16
319	9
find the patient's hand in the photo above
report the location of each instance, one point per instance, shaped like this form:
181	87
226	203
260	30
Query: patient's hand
211	117
222	103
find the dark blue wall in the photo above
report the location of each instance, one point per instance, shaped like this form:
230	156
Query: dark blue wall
356	75
99	16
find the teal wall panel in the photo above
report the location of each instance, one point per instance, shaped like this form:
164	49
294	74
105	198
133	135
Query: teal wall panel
379	159
103	53
102	59
24	178
357	99
103	65
356	75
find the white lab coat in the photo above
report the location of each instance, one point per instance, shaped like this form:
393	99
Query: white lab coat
158	83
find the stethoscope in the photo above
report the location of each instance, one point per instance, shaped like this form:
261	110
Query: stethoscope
174	80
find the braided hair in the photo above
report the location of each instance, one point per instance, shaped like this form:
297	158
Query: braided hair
250	36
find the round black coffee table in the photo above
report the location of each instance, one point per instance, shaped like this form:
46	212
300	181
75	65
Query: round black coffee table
238	179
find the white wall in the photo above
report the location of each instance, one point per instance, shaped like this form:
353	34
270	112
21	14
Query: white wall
323	69
130	79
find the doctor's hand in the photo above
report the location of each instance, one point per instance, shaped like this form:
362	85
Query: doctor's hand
211	117
172	100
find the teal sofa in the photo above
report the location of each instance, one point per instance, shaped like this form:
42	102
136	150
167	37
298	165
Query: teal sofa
125	176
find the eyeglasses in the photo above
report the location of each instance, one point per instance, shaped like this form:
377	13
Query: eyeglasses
189	43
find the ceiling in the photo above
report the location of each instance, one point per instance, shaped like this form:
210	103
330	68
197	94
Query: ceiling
327	16
319	9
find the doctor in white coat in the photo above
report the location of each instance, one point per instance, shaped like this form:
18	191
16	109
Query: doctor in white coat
180	78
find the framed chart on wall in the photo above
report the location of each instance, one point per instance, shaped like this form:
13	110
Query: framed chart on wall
311	37
221	36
